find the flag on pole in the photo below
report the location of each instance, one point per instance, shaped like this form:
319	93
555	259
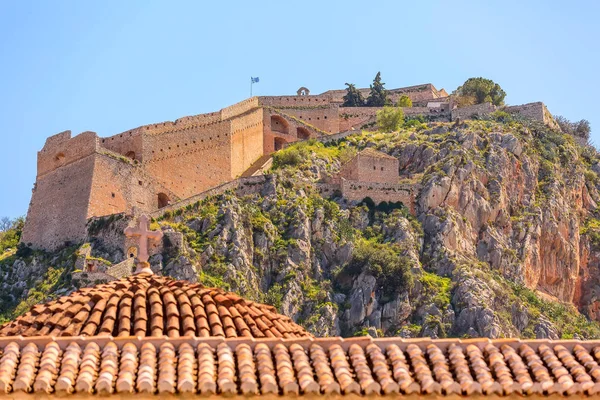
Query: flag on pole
254	80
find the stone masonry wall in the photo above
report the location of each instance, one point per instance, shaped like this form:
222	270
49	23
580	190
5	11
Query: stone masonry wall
377	169
190	161
324	118
59	204
60	150
241	186
379	192
470	111
246	141
119	185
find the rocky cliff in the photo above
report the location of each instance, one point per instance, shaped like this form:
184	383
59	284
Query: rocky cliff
504	240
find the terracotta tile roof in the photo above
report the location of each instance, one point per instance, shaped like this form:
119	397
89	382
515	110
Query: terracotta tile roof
371	152
149	305
247	366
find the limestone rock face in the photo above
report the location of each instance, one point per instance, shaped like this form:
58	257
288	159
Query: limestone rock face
502	240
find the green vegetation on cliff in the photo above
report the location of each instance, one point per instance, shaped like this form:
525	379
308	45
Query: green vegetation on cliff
504	223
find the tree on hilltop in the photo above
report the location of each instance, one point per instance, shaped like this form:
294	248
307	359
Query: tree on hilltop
477	91
353	97
378	95
404	101
580	129
390	119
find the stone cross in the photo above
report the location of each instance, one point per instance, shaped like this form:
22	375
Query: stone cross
144	234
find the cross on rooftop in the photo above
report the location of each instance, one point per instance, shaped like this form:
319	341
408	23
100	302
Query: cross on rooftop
144	234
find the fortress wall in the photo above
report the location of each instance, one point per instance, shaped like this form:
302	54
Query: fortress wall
246	141
379	192
59	203
239	108
477	109
291	101
355	117
119	186
241	186
377	169
416	93
190	161
60	150
349	170
536	111
282	129
124	143
323	118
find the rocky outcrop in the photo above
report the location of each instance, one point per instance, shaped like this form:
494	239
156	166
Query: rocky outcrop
503	239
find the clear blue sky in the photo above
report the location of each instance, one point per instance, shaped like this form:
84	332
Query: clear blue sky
108	66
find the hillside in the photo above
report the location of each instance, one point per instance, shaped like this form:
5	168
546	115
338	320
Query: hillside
504	240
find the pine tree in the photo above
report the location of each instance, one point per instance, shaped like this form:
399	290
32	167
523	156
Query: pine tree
353	97
378	95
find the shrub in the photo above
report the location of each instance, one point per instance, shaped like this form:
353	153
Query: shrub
390	119
501	116
291	156
347	153
404	101
580	129
10	236
383	261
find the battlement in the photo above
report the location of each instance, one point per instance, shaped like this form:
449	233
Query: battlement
62	149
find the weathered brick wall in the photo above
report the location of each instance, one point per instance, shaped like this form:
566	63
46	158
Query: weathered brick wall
239	108
368	167
416	93
129	144
470	111
536	111
119	185
377	169
241	186
62	149
59	203
246	141
190	161
281	129
291	101
324	118
356	117
379	192
122	269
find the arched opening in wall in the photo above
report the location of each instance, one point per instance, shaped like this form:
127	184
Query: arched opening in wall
278	124
130	154
279	143
302	133
163	200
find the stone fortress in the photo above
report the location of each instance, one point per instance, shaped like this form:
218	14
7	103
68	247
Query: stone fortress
154	166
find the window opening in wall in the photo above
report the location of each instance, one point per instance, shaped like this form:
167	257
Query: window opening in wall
374	168
60	157
140	183
112	195
382	168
